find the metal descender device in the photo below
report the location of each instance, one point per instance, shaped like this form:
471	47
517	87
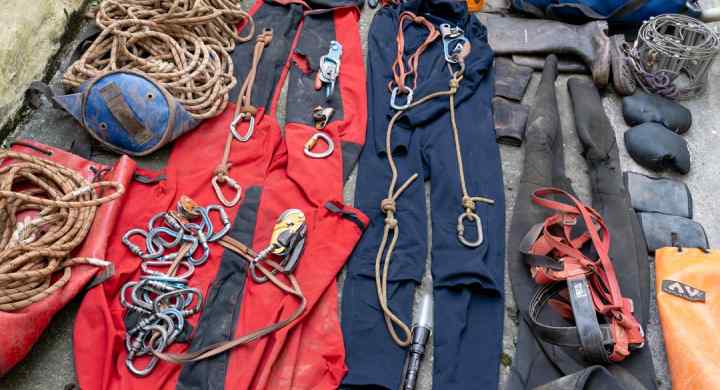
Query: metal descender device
287	243
329	69
455	45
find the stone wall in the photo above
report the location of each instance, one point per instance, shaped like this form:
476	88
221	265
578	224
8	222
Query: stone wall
30	35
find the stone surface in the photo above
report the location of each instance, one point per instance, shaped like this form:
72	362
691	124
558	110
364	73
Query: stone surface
49	365
29	38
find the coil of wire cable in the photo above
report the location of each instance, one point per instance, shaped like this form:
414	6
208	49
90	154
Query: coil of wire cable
46	211
184	45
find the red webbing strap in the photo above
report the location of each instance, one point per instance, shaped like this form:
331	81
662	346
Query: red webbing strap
605	289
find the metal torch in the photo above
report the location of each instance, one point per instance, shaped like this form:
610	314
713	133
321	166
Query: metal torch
420	335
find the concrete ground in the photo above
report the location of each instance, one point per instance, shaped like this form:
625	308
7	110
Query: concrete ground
50	363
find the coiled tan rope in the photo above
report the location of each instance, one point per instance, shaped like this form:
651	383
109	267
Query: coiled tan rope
34	251
182	44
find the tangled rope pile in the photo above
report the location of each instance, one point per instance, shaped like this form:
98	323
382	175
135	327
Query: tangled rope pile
671	46
182	44
34	252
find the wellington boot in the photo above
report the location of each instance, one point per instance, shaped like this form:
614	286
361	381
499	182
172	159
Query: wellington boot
589	42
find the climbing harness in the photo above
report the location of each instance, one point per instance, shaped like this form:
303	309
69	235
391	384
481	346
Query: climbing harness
46	212
183	45
456	48
244	110
280	257
329	69
578	280
159	301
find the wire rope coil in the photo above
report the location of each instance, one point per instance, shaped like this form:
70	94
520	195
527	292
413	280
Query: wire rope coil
46	211
672	56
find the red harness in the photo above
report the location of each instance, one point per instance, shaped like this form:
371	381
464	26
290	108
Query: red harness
583	263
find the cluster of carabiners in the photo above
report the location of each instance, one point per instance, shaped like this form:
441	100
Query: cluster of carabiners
174	243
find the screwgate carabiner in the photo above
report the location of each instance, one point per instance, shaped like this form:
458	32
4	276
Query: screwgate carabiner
408	99
310	144
234	185
461	229
250	130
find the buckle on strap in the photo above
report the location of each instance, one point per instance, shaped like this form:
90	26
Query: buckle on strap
408	99
310	144
251	128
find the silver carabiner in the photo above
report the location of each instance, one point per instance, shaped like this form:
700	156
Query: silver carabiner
310	144
232	183
461	230
408	99
250	130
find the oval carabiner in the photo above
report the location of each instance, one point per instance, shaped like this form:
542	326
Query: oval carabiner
408	99
310	144
232	184
250	130
461	230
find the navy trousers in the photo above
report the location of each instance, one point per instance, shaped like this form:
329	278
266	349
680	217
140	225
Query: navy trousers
467	282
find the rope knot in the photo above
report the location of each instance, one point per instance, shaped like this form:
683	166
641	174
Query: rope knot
388	206
222	171
391	222
468	203
454	83
248	109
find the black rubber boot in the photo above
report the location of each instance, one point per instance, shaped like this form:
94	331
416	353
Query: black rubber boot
642	108
511	80
589	42
510	121
659	195
663	230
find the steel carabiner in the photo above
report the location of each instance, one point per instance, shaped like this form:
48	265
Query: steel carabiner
250	130
408	99
310	144
461	229
234	185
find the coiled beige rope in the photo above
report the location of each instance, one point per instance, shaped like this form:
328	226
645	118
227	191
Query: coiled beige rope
182	44
34	251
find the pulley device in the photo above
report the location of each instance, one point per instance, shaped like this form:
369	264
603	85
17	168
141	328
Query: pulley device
286	244
568	255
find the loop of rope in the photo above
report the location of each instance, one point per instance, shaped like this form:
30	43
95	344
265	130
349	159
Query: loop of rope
34	251
400	73
183	45
243	106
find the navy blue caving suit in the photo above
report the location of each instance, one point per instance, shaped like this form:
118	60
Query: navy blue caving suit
467	282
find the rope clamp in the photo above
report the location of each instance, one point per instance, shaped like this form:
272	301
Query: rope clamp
313	141
455	45
234	187
251	128
408	99
461	229
322	116
329	68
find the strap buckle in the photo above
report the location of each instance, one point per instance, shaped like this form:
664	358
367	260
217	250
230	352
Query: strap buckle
251	128
329	68
461	229
408	99
455	45
217	180
310	144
